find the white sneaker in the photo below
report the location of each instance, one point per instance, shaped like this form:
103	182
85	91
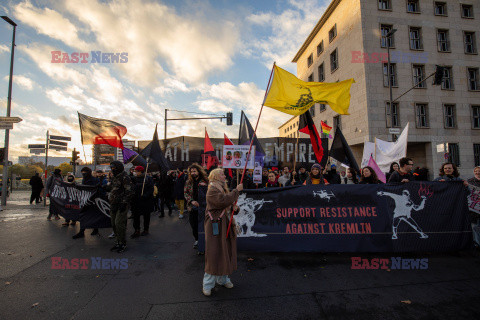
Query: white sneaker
207	292
195	245
228	285
112	235
180	216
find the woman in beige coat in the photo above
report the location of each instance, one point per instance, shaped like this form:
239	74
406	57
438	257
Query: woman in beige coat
220	251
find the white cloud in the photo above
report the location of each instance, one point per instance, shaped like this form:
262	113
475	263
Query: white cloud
22	81
62	100
211	105
4	48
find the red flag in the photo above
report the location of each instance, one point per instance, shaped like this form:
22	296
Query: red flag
228	142
101	131
307	126
210	158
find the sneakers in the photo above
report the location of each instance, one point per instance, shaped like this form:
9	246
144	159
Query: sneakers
112	235
207	292
79	235
122	248
136	234
180	216
57	218
94	232
49	219
195	245
144	233
228	285
115	247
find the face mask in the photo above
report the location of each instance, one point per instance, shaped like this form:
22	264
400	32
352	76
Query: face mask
84	174
70	179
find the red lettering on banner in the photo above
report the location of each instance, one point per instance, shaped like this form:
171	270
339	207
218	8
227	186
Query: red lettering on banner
330	228
374	211
322	225
295	212
279	212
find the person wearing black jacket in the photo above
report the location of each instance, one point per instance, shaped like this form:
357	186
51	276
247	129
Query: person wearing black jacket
369	176
247	181
165	190
37	186
88	180
404	173
179	193
142	202
332	176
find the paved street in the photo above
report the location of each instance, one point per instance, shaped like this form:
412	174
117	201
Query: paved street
163	279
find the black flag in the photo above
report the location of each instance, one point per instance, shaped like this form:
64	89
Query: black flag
340	151
307	126
246	133
154	155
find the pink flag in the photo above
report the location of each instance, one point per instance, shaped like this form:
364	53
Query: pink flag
374	166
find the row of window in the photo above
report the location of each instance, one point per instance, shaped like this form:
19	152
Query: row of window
422	116
454	154
419	75
439	8
416	39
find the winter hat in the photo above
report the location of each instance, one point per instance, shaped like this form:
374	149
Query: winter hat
57	171
316	165
139	168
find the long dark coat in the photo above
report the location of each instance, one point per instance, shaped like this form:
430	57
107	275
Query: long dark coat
220	252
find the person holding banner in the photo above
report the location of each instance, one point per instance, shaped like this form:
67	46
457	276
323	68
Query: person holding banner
220	251
474	216
369	176
449	172
316	176
404	174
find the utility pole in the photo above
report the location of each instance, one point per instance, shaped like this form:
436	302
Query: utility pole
165	135
228	116
46	166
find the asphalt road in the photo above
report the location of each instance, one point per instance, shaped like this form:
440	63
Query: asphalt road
164	275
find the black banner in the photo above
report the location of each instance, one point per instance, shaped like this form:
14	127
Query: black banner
279	151
413	217
85	204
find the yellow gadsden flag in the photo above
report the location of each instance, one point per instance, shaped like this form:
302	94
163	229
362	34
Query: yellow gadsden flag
293	96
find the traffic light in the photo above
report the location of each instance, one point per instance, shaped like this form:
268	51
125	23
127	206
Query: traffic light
75	156
439	72
229	118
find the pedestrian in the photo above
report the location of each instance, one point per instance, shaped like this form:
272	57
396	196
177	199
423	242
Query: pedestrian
55	177
178	192
87	180
247	181
37	186
351	177
165	190
120	197
315	176
369	176
393	167
71	181
264	177
272	181
197	177
474	216
142	203
404	173
332	176
285	178
220	251
449	172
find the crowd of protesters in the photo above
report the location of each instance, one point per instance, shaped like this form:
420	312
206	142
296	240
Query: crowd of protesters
141	194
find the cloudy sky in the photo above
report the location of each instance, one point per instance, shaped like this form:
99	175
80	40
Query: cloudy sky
194	56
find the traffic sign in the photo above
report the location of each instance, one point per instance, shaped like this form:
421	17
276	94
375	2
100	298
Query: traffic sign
59	143
37	151
57	148
394	130
61	138
36	146
6	125
10	119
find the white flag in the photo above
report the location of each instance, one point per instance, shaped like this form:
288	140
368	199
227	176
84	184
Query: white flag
368	150
388	152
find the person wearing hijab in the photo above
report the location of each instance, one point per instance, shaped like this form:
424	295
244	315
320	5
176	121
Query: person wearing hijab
220	251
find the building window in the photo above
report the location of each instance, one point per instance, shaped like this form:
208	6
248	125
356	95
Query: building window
443	41
476	117
416	38
312	111
320	48
337	122
449	113
392	116
322	107
467	11
332	33
321	73
473	79
413	6
419	76
476	154
310	78
440	8
454	154
393	74
334	60
422	115
447	81
469	40
384	41
384	5
310	60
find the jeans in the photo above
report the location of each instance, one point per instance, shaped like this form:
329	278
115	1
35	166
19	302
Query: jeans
210	280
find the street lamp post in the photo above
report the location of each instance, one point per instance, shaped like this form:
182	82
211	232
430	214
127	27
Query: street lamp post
9	104
387	36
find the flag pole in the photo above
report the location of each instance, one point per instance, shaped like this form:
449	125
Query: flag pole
145	178
252	139
296	152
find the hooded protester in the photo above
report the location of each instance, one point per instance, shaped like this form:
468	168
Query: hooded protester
142	203
37	186
120	197
315	176
220	251
332	176
56	176
165	187
87	180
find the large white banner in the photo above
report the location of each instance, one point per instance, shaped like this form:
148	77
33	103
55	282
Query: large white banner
235	156
388	152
